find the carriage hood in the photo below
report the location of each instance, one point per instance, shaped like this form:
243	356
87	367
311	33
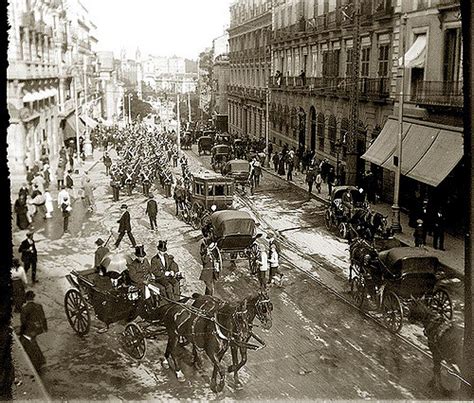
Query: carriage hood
232	222
409	260
238	166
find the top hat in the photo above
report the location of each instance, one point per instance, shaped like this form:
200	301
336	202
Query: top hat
140	251
29	234
162	246
150	196
99	242
123	206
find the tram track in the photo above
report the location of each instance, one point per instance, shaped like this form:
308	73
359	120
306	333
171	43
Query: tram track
244	199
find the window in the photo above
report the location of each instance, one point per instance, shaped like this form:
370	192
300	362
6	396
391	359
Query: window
365	60
321	129
219	190
335	63
210	190
332	134
452	67
383	60
325	64
349	54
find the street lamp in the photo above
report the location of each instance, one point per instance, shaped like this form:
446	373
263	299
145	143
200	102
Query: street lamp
129	110
397	160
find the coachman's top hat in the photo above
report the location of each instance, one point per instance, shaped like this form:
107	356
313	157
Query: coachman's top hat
99	242
162	246
123	206
140	251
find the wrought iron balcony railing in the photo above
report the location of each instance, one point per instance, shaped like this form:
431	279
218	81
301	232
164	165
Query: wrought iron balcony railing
441	93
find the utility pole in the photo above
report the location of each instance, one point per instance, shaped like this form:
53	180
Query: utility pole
87	140
267	121
179	124
354	100
396	225
129	110
123	108
76	108
189	107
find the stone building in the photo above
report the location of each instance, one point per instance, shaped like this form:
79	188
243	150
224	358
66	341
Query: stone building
49	45
220	80
250	65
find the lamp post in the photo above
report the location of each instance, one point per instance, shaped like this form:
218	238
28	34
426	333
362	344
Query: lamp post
129	110
338	146
178	128
397	160
267	122
87	140
76	110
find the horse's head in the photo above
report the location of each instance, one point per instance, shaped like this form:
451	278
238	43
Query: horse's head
264	308
240	320
418	311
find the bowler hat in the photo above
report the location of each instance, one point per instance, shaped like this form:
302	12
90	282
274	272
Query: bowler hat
140	251
99	242
123	206
162	246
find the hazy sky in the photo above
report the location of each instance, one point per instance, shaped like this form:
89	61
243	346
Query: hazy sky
158	27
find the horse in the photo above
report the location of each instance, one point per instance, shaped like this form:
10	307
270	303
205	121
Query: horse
212	332
445	339
258	306
359	248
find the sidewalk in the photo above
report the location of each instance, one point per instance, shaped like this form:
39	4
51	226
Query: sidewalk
452	257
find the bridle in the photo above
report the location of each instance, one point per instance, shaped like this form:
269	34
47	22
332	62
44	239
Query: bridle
263	308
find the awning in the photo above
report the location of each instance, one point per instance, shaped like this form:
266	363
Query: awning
429	151
89	121
415	56
38	95
69	130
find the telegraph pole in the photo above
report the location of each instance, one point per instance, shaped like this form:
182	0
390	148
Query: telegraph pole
129	111
76	107
189	107
354	100
267	121
179	124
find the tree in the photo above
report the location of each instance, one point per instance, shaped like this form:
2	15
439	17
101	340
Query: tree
138	108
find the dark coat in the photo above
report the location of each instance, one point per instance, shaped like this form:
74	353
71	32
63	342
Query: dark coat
124	222
151	208
28	251
33	319
69	181
100	253
157	267
138	271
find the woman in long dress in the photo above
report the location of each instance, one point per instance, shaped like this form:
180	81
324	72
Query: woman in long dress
21	211
19	282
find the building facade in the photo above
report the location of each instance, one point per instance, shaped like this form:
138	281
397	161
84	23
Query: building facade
49	57
250	65
220	77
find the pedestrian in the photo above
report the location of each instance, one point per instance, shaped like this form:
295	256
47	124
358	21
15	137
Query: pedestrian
115	184
152	211
281	165
89	194
46	175
19	282
319	182
210	266
23	191
331	176
274	266
438	231
276	160
289	175
21	211
60	176
38	182
262	268
107	162
33	323
48	203
66	209
29	255
125	227
419	233
99	254
68	180
310	179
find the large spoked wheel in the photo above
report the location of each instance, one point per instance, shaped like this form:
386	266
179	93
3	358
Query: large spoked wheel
343	230
392	312
328	219
77	312
134	341
441	303
253	258
359	290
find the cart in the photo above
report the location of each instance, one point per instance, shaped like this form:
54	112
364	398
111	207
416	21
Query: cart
389	281
220	154
239	170
112	302
235	235
205	144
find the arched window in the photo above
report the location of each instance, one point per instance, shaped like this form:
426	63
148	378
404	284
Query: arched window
332	129
321	131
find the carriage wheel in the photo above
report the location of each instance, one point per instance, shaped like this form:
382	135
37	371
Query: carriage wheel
343	230
441	303
77	312
327	219
134	341
359	290
392	312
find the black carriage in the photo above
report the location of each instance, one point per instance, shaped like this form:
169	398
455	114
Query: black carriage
338	214
239	170
235	234
205	144
111	302
220	154
223	138
388	281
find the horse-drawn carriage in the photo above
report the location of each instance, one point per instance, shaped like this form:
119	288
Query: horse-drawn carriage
345	201
223	138
239	170
235	235
205	144
208	189
186	141
220	154
388	281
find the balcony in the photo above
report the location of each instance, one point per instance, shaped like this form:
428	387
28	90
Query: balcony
448	3
374	88
383	9
25	70
439	93
66	107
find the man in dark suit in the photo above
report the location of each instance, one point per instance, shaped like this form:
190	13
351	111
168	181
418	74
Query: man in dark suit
100	253
152	211
163	273
125	227
33	323
29	255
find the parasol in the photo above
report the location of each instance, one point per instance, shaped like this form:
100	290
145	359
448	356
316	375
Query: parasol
116	261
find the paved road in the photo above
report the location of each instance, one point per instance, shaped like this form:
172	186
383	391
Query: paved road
318	347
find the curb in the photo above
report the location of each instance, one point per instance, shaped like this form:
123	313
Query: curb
452	272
